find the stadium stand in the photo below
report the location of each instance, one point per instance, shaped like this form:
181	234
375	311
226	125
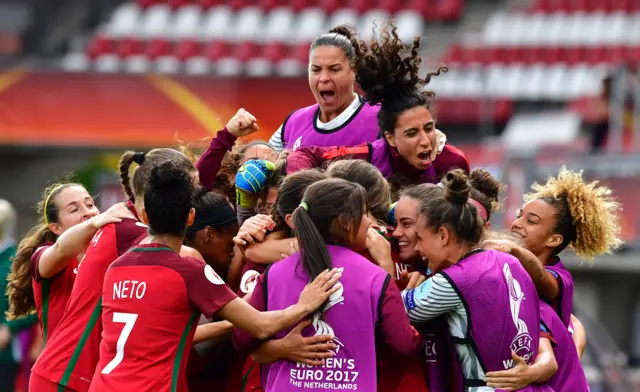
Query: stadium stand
239	36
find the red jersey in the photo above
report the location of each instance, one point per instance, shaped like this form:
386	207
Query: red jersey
51	295
71	354
152	299
395	373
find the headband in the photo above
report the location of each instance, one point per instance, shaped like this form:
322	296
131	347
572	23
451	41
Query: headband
215	216
480	209
46	201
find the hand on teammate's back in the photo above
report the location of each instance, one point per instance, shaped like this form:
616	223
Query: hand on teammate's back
312	350
318	292
242	123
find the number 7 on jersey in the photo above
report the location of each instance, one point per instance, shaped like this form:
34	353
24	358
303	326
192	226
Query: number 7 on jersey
129	320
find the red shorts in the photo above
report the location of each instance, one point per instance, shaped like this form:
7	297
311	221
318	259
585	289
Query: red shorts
41	384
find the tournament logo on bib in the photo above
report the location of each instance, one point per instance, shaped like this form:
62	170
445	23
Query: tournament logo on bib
249	281
297	144
321	326
212	276
521	344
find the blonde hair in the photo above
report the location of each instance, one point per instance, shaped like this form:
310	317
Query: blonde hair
590	208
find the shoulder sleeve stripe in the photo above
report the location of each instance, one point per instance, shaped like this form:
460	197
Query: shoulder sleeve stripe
341	152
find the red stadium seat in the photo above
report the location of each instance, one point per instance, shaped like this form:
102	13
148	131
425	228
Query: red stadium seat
216	50
301	52
187	49
209	3
449	10
100	45
268	5
130	47
330	5
420	6
148	3
360	6
391	6
158	48
245	51
299	5
178	3
274	51
237	4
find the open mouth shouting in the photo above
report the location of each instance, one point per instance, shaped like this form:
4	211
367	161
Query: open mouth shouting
425	158
327	96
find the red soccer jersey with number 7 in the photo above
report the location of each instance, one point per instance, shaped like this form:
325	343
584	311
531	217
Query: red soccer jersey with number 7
151	301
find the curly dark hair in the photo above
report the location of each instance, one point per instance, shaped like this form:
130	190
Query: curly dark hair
387	70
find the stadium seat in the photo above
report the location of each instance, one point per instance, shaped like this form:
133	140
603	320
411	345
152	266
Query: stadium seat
216	50
217	23
248	25
186	23
123	21
410	25
343	16
187	49
279	25
310	24
154	22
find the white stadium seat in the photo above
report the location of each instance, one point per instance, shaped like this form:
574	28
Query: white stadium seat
248	24
279	25
217	23
107	63
343	16
154	22
123	22
198	65
186	23
410	25
310	23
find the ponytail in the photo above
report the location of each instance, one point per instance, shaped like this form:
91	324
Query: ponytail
125	163
313	249
330	213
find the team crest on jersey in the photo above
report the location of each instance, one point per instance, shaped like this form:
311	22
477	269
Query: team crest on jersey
321	326
521	344
212	276
249	281
297	143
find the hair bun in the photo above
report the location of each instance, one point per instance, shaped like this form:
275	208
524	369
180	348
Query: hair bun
485	183
343	30
457	186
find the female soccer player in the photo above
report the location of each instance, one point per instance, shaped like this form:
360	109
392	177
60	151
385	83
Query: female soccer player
470	287
153	282
564	211
212	231
387	72
70	357
45	267
331	226
339	116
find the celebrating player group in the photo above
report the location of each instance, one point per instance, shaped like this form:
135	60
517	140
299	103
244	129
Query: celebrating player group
352	251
